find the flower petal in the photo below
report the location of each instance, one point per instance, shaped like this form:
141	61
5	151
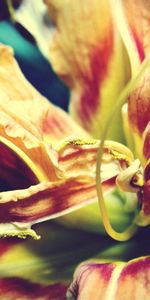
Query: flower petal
76	188
128	281
129	16
85	50
33	113
28	120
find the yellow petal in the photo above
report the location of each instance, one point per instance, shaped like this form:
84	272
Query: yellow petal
87	52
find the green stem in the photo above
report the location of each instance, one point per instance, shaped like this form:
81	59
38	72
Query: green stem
130	231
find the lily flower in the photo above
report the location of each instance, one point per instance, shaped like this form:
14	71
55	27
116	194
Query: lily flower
61	176
104	281
87	80
117	280
87	66
49	176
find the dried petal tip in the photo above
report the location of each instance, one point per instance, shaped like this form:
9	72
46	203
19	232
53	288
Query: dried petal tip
115	281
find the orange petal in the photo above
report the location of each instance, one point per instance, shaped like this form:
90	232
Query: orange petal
128	281
87	52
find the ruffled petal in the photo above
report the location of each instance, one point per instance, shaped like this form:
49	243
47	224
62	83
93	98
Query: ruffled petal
87	52
128	281
76	188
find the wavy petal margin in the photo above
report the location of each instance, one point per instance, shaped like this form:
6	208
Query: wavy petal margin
87	53
115	281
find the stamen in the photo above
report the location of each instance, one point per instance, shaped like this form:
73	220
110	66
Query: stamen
130	231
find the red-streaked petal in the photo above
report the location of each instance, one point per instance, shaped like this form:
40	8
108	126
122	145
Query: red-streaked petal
30	115
87	52
17	288
134	280
90	281
78	157
76	188
48	200
28	122
126	281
